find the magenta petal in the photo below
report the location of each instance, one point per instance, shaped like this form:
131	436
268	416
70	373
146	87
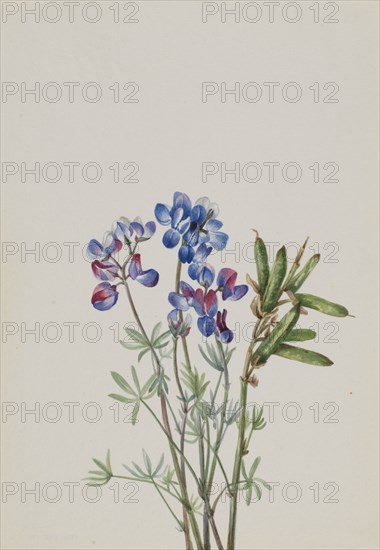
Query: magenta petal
135	268
211	303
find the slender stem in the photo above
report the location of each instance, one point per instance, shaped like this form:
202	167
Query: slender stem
162	487
166	427
167	504
219	436
183	338
182	444
208	514
241	443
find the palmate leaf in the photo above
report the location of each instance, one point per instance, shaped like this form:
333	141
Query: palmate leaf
150	473
196	383
256	421
122	383
253	483
303	355
214	358
101	476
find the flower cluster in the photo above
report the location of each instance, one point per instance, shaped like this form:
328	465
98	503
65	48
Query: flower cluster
195	228
124	235
205	300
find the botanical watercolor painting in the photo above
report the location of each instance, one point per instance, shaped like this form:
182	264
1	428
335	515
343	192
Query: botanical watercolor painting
193	407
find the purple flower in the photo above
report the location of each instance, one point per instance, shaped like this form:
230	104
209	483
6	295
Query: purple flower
123	230
175	216
204	228
178	327
147	278
226	283
199	259
206	275
98	251
225	335
104	296
183	300
206	305
104	271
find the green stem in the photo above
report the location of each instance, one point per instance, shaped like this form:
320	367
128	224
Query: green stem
167	504
219	436
138	479
241	443
167	431
182	444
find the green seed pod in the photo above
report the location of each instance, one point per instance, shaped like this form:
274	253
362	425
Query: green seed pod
303	355
262	264
301	335
322	305
298	280
278	335
276	278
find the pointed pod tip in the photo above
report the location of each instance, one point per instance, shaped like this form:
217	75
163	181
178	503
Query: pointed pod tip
255	231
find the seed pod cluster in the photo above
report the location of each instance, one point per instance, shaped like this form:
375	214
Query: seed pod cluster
297	281
277	336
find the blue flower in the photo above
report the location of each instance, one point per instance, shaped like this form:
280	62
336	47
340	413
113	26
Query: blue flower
226	283
205	305
99	251
123	230
204	227
147	278
104	271
199	259
178	327
104	296
225	335
206	275
175	216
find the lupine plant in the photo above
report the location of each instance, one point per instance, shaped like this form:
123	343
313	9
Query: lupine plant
190	406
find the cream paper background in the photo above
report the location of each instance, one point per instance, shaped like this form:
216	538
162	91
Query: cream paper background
169	133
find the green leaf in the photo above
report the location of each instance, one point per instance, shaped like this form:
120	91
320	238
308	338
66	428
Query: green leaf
258	490
322	305
100	465
159	465
146	389
142	353
303	355
297	281
135	412
136	336
262	264
122	383
156	331
254	466
108	461
136	379
121	398
243	470
212	363
278	335
300	335
147	462
276	278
